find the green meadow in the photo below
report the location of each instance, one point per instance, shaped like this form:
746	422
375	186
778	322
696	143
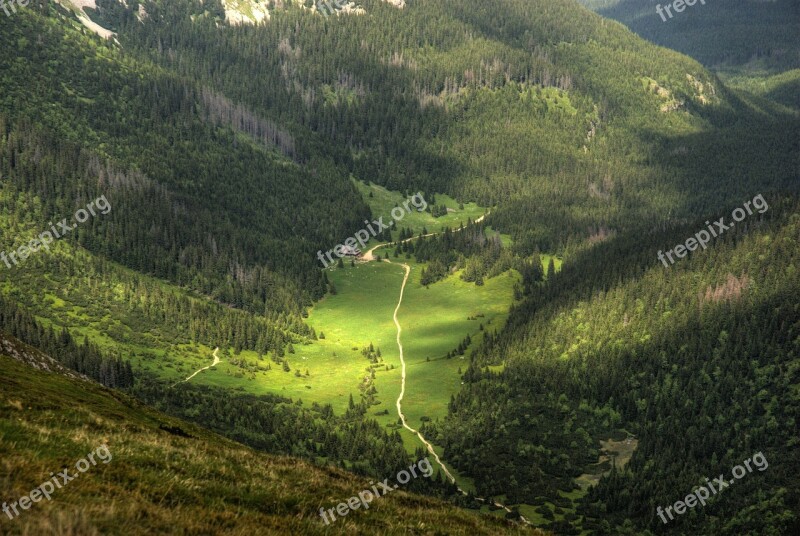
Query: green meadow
331	369
434	321
383	201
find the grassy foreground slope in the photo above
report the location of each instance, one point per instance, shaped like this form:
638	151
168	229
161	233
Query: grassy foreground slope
159	481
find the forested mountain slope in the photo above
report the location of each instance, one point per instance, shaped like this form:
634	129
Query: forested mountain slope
699	361
534	106
231	135
224	211
718	34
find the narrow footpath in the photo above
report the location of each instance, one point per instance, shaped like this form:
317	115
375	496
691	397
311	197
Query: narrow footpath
214	364
425	442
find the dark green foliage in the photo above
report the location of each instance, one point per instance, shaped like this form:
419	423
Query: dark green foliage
468	248
198	203
570	144
698	360
83	358
275	425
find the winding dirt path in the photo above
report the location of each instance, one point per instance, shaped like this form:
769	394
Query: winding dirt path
403	377
368	256
214	364
403	419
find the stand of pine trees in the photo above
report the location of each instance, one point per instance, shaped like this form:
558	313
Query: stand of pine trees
84	358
